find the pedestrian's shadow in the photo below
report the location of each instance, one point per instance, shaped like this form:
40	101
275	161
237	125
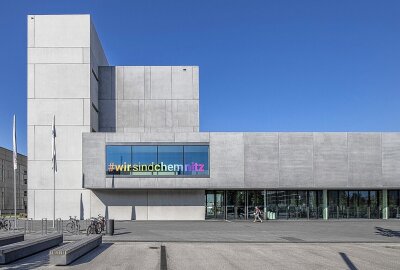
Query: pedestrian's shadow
386	232
88	257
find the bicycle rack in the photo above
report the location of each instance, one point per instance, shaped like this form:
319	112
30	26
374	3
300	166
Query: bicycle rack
44	226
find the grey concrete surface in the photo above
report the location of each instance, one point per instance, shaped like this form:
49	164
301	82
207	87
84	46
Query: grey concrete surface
312	231
229	256
282	256
373	231
351	244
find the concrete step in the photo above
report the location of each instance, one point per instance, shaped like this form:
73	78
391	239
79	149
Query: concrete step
68	253
6	239
16	251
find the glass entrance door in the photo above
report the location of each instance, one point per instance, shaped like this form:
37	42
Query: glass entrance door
215	205
210	204
235	204
219	205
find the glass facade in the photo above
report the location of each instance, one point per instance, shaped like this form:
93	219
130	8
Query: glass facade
394	203
240	204
354	203
300	204
157	160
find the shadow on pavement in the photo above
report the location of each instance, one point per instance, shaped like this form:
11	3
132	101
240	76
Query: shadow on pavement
387	232
121	233
348	261
30	262
91	255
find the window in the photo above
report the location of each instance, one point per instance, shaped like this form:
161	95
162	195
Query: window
143	157
196	155
25	193
157	160
118	156
171	155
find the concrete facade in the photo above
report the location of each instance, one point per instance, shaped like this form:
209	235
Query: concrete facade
7	182
281	160
64	53
149	99
97	105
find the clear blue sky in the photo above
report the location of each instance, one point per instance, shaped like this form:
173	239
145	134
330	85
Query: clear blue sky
264	65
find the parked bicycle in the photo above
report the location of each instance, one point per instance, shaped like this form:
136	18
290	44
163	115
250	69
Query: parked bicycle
94	227
101	223
72	225
5	224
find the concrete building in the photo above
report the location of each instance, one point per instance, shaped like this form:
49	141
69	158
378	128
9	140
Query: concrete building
129	146
7	182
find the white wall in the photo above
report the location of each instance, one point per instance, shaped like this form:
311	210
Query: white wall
149	204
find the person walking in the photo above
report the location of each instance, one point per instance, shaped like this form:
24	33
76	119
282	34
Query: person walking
257	214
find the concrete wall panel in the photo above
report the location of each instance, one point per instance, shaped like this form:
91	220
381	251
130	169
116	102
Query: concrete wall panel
31	142
41	111
330	160
261	159
106	83
75	31
391	159
94	155
107	115
226	160
128	113
155	113
296	160
365	159
182	82
67	81
31	31
160	79
192	137
55	55
31	81
134	82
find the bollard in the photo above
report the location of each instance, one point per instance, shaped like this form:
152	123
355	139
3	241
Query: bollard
59	225
110	227
44	226
30	225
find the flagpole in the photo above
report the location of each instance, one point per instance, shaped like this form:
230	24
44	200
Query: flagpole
54	161
54	196
15	170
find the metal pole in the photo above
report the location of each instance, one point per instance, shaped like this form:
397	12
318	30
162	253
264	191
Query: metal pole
54	197
15	199
15	164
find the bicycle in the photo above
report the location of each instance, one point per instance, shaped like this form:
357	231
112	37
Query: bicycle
101	223
72	225
94	227
5	224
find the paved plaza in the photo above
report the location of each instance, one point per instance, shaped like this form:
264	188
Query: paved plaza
369	244
139	255
352	231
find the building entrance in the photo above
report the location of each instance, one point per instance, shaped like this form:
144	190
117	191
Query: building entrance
286	204
215	205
